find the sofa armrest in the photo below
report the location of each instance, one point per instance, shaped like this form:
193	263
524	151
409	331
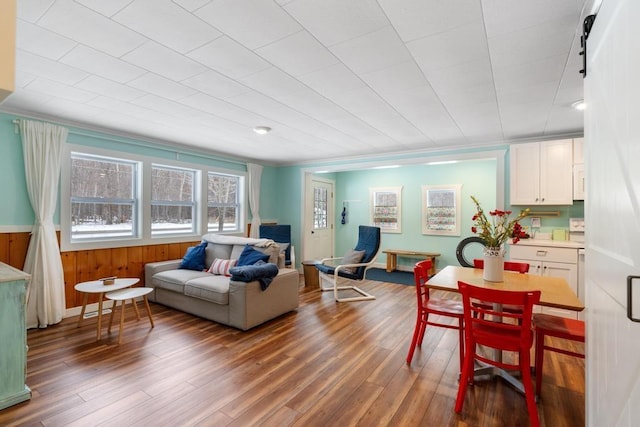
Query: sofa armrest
156	267
249	305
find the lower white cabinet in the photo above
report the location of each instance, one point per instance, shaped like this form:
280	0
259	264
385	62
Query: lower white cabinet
550	261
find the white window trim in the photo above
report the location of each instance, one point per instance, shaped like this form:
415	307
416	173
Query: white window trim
145	237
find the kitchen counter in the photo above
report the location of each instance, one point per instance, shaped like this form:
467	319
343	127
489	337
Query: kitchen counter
551	243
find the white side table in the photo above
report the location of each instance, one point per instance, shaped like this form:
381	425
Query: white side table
123	295
96	287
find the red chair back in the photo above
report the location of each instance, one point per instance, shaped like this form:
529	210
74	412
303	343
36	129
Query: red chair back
520	267
421	275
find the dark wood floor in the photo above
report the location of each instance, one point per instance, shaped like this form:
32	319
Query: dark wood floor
328	364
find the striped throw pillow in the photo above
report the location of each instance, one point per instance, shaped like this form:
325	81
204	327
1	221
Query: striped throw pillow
221	266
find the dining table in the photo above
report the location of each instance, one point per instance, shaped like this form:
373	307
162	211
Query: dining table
554	292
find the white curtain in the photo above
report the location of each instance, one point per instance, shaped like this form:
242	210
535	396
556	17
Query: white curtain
255	174
42	145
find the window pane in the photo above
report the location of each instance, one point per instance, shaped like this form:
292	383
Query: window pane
103	197
168	184
101	178
172	200
320	208
95	220
223	206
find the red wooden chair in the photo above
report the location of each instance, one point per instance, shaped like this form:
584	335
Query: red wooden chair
520	267
547	325
427	306
500	332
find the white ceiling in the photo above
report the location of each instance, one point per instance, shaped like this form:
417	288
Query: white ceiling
332	78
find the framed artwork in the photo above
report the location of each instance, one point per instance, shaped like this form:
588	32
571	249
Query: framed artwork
386	207
441	209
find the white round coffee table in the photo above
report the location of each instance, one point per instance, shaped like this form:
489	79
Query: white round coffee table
96	287
123	295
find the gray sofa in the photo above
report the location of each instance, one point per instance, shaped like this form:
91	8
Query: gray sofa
216	297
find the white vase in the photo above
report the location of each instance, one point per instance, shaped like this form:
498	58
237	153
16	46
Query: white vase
493	265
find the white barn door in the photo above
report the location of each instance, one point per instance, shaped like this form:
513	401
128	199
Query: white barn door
612	213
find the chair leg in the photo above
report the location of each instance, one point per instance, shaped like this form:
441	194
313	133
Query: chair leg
414	340
539	360
525	370
365	296
461	338
467	369
423	328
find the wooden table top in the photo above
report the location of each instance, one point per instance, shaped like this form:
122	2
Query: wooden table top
555	291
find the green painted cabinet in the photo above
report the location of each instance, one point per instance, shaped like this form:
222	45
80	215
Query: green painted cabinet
13	336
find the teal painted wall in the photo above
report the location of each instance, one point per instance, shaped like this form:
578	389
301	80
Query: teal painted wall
13	193
477	178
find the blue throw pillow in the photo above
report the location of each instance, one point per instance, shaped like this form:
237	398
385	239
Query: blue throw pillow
194	259
250	256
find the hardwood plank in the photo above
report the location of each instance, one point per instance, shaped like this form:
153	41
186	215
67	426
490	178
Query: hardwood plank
327	364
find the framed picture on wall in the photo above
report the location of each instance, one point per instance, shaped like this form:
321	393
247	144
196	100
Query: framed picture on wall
441	209
386	208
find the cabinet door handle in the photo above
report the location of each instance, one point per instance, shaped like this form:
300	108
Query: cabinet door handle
630	298
541	253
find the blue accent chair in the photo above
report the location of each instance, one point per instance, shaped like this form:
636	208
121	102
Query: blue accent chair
331	270
280	234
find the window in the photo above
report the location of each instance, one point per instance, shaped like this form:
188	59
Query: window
223	208
173	205
104	198
320	208
386	209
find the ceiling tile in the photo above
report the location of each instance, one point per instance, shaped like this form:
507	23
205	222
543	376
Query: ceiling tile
191	5
229	58
85	26
107	8
333	80
215	84
253	23
545	70
167	23
160	86
336	21
161	60
33	10
224	110
415	19
298	54
40	41
43	67
273	82
374	51
95	62
112	89
55	89
450	48
396	78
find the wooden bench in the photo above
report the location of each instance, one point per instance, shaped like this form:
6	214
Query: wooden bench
393	254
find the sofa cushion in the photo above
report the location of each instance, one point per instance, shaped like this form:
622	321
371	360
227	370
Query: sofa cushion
174	280
209	288
250	256
194	259
216	250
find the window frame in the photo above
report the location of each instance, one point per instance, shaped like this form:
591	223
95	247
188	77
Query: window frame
240	210
193	203
144	237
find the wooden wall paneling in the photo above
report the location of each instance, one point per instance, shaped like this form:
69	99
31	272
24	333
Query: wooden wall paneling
135	263
4	248
18	245
71	297
119	262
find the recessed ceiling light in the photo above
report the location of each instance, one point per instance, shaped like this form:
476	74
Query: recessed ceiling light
579	105
262	130
386	167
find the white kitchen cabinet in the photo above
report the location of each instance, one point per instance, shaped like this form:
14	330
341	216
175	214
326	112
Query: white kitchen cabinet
542	173
550	261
